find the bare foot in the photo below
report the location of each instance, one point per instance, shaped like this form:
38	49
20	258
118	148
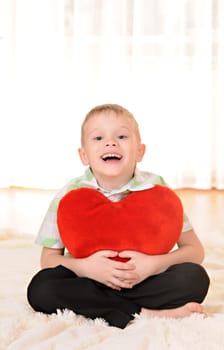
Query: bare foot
179	312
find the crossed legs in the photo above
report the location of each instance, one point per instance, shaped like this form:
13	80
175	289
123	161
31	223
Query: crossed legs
177	292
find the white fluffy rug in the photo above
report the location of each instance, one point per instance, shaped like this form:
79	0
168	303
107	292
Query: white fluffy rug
23	329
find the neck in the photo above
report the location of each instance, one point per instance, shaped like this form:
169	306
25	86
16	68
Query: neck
112	183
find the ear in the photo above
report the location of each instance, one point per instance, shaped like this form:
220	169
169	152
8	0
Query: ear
83	156
141	152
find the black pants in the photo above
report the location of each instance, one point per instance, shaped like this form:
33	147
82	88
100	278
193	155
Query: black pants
59	288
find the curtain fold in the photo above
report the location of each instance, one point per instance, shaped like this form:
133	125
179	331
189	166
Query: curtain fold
163	60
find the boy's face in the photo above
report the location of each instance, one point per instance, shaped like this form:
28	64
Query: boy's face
111	148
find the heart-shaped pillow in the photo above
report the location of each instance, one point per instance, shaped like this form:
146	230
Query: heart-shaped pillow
149	221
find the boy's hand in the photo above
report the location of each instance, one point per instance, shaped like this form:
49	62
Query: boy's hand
114	274
146	265
189	249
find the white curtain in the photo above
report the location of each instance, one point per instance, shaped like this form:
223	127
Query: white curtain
161	59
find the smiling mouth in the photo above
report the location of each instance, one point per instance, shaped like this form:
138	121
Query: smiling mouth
111	156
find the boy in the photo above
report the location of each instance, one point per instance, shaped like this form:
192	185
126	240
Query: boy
165	285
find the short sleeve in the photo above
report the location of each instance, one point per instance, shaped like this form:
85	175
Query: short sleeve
48	235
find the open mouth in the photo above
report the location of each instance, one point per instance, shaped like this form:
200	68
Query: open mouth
111	156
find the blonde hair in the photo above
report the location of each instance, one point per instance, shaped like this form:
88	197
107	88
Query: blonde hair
119	110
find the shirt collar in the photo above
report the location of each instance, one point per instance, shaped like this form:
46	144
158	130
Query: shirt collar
138	182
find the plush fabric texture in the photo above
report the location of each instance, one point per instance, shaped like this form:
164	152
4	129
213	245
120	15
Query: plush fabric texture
148	221
21	328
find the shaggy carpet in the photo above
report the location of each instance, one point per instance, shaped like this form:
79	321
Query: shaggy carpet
23	329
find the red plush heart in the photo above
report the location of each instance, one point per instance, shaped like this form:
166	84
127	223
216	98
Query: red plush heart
148	221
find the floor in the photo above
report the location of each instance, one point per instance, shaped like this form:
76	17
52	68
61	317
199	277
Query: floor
205	209
22	210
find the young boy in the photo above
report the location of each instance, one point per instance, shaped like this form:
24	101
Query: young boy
165	285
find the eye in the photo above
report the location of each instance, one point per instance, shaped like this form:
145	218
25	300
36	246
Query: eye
98	138
121	137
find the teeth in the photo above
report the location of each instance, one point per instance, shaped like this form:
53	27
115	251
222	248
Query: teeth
111	155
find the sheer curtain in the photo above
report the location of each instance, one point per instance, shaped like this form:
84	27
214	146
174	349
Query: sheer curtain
161	59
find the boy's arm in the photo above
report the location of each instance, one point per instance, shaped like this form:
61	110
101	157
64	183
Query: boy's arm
52	257
189	249
98	266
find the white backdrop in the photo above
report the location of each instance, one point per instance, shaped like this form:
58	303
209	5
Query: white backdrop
161	59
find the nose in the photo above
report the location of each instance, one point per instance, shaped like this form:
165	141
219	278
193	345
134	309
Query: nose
111	142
